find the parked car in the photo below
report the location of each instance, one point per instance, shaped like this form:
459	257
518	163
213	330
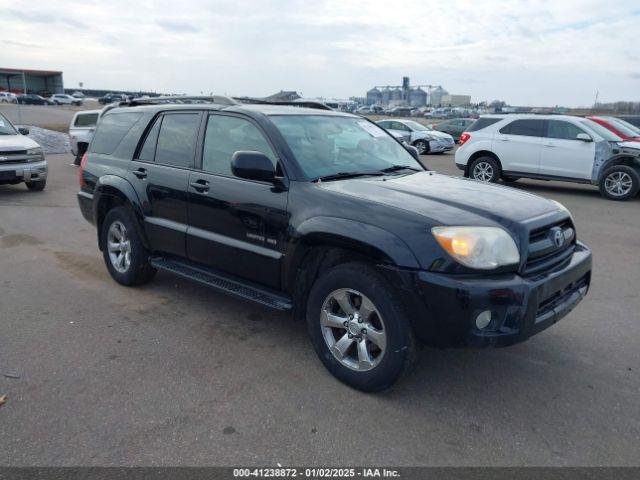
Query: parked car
624	130
79	95
418	135
550	147
363	110
81	130
64	99
454	127
32	99
632	119
324	214
21	159
112	98
8	97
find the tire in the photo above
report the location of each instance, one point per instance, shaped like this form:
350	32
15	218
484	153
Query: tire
485	169
422	146
388	355
136	270
36	186
619	182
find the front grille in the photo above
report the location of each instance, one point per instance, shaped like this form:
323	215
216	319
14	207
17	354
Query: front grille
561	296
543	253
12	153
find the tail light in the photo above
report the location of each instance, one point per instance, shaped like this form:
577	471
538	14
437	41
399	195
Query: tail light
83	162
464	137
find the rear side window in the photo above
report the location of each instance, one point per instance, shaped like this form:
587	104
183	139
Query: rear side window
482	123
527	128
177	139
563	130
112	129
148	150
227	135
86	120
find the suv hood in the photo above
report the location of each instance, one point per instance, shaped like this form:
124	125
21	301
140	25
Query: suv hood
447	200
10	143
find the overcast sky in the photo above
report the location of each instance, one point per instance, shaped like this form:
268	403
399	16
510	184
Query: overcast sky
525	52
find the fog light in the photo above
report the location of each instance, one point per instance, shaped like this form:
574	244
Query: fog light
483	319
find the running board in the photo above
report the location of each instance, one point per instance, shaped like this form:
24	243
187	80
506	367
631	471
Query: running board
226	284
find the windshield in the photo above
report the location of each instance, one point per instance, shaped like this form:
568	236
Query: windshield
5	126
624	127
418	127
600	130
327	145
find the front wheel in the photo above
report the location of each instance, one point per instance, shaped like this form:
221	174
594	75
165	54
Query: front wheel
422	146
36	186
124	253
485	169
620	182
359	328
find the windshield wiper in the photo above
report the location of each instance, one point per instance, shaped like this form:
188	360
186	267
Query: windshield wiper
342	175
395	168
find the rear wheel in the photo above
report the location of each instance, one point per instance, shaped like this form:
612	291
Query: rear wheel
124	253
485	169
619	182
359	328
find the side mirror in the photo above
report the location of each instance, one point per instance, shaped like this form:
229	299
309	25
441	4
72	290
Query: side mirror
415	153
584	137
23	131
253	166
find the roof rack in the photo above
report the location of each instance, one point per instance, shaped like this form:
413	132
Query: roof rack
181	99
292	103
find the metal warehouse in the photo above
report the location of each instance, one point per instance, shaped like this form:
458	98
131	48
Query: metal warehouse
42	82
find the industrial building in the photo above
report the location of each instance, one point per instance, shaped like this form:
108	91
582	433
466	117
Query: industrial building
414	95
41	82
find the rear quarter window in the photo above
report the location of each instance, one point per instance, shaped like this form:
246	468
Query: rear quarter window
112	129
482	123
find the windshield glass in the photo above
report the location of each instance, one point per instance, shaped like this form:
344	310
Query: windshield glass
327	145
600	130
416	126
5	126
624	127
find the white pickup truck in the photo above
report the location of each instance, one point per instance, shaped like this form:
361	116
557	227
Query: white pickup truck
81	130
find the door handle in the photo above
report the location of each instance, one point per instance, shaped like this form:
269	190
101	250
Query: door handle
549	145
140	173
504	140
201	186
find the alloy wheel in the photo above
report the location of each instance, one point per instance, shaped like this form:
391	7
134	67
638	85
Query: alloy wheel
119	246
353	329
618	184
483	171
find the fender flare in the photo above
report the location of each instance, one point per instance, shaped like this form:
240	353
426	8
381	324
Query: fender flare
599	169
113	185
343	232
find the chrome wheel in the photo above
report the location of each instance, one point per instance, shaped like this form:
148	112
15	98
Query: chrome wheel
483	171
353	329
618	184
119	247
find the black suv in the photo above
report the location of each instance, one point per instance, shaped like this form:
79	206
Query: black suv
325	214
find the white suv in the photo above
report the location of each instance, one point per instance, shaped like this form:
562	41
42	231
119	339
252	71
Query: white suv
64	99
550	147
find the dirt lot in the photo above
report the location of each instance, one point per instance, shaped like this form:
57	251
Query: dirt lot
175	374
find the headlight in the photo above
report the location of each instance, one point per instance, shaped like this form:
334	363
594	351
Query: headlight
483	248
35	151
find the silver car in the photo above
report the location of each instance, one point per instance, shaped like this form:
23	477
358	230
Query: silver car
420	136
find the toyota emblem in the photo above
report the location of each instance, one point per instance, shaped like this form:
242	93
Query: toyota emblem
557	236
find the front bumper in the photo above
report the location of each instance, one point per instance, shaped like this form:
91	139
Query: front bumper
436	146
520	306
23	172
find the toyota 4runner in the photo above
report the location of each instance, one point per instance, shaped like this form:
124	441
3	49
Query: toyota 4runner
327	215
